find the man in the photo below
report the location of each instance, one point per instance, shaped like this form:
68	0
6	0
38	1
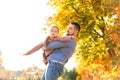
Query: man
62	53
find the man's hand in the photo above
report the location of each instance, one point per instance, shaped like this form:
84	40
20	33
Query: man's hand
74	38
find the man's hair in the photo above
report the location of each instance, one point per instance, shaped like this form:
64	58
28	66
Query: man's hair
77	26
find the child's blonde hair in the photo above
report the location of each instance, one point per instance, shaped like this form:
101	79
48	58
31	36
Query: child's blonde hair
54	27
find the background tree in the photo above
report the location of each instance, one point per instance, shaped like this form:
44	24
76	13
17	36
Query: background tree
69	75
98	50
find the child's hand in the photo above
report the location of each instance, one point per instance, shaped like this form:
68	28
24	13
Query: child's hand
24	54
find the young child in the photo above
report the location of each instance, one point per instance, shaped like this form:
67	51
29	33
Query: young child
53	36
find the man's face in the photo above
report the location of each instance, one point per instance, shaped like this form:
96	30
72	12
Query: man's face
71	30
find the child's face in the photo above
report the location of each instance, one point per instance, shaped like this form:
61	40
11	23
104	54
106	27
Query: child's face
54	32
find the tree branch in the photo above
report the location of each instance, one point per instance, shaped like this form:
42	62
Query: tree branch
75	9
97	33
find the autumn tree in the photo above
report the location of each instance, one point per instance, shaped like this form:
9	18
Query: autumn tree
69	74
98	47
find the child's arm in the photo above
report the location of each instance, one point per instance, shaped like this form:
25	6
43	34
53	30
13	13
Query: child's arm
36	48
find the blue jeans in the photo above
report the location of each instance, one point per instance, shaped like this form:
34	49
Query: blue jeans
53	71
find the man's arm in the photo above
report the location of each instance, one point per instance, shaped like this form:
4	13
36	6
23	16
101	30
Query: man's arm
64	38
56	45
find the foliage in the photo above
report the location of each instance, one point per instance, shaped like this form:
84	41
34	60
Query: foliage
69	75
99	44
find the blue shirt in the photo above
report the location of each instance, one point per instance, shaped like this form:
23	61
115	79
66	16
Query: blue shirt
63	50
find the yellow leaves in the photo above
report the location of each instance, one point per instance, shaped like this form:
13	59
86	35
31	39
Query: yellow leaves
99	70
65	12
91	50
117	10
115	36
110	75
90	22
102	46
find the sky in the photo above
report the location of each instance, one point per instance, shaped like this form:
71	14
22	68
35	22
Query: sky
21	23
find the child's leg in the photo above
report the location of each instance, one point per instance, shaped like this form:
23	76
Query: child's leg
47	53
44	59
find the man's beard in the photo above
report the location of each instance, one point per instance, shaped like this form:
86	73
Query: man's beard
68	34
